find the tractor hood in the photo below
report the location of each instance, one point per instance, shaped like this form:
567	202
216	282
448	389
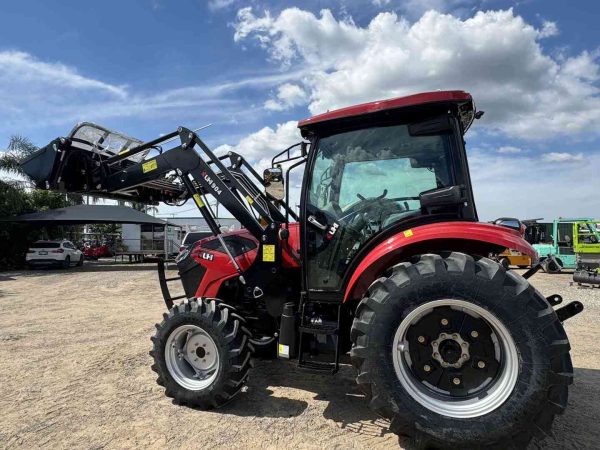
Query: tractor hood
413	107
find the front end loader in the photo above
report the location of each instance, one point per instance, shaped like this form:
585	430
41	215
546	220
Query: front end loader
385	263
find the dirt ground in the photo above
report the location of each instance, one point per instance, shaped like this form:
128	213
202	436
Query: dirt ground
75	373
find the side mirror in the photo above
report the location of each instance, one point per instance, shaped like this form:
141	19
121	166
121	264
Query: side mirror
273	178
509	222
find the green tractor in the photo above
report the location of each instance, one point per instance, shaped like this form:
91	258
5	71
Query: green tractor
587	253
566	244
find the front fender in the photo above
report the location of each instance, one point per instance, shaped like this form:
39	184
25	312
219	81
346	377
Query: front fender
468	237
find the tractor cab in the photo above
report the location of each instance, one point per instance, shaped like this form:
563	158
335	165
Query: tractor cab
379	168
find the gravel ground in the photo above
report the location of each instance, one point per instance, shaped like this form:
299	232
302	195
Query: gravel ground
74	372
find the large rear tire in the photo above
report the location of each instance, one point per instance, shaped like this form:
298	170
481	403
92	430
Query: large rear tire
460	353
202	353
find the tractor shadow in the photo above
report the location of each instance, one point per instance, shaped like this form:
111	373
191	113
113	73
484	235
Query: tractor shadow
88	266
348	408
578	426
346	404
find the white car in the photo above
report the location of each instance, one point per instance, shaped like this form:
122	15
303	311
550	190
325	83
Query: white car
59	253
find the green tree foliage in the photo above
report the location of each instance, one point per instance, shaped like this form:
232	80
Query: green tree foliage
105	228
19	197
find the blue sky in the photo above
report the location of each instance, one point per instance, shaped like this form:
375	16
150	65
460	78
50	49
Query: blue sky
253	68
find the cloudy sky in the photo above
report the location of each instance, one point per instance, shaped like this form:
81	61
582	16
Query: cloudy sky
253	68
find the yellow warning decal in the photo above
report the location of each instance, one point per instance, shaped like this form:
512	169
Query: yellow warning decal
284	350
408	233
125	150
149	166
198	200
249	199
268	253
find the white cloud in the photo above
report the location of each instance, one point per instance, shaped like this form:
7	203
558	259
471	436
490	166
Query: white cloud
27	70
495	55
549	29
35	94
562	157
380	3
265	143
509	149
298	33
529	187
288	96
214	5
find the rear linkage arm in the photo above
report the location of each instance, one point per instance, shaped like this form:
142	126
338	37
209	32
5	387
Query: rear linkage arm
565	312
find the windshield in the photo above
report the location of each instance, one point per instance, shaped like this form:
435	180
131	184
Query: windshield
364	163
366	180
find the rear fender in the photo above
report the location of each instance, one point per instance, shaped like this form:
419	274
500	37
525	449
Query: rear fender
467	237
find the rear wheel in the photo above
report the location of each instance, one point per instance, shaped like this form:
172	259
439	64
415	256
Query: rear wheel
201	353
66	263
459	352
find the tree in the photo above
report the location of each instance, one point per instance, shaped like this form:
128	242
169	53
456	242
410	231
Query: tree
19	196
143	207
105	228
19	148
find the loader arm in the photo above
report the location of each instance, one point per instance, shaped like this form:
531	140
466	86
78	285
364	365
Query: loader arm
188	170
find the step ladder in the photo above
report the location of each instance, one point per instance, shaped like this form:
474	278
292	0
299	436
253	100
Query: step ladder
307	328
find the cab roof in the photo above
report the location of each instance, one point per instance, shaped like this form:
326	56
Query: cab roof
461	99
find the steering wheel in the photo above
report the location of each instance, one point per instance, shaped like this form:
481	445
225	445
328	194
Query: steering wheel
366	204
362	198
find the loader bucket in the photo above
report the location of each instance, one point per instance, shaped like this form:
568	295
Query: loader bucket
67	163
40	165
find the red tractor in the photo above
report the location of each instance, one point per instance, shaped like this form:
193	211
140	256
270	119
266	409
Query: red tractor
386	261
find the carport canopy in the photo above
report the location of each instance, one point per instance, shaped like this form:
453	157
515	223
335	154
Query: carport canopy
88	214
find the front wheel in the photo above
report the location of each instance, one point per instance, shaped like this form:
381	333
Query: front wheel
202	353
458	352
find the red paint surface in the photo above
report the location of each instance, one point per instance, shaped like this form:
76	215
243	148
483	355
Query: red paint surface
220	268
394	103
382	255
290	253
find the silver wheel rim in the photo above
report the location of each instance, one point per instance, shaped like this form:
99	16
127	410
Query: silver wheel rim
496	393
192	357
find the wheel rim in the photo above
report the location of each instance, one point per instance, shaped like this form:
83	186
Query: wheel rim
192	357
455	358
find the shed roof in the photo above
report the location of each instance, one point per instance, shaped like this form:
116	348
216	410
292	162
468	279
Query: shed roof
86	214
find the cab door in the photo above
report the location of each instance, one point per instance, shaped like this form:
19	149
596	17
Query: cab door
360	183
